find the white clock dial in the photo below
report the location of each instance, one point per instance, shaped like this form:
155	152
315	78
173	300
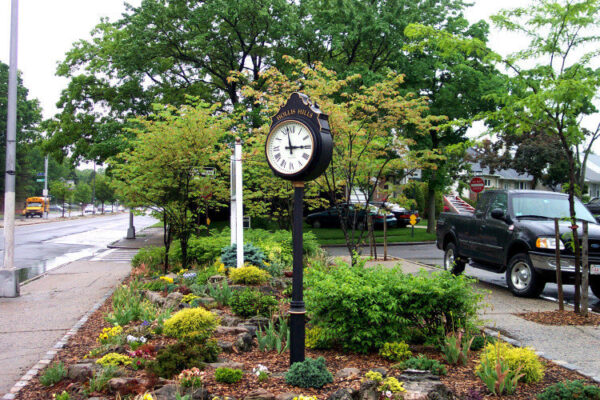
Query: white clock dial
290	147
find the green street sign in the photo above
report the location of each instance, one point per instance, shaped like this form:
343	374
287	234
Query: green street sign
40	180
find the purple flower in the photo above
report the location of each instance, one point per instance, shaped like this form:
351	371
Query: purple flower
145	323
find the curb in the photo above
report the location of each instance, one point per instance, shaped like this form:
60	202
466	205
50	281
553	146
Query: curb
50	354
381	244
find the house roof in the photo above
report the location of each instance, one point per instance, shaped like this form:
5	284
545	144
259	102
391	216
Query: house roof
508	174
592	169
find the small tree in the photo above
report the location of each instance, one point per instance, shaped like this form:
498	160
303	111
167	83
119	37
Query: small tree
105	191
164	169
60	190
82	195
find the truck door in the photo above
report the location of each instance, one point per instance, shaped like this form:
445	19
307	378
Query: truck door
493	233
469	241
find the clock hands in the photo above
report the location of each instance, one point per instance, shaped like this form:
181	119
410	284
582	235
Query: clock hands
290	142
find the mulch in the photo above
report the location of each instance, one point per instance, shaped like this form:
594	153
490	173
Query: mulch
557	317
460	379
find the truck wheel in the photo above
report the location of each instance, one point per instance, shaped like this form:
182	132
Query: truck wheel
451	261
521	277
595	285
316	224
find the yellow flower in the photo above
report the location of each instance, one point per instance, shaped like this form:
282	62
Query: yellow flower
148	396
167	279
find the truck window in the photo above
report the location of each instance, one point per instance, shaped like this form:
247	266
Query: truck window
500	201
482	203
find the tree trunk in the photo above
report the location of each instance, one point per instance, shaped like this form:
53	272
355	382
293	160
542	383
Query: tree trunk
63	206
430	208
166	241
574	230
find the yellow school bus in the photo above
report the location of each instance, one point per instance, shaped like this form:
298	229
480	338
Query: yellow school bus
36	206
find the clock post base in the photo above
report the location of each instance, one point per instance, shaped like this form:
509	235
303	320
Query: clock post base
297	310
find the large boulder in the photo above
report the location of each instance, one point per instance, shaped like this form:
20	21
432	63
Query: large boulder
368	391
82	372
260	394
173	300
342	394
422	385
244	342
347	373
154	297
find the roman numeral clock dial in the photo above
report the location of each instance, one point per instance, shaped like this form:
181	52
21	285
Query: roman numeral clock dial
290	147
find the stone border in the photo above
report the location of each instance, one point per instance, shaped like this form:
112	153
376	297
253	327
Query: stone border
50	354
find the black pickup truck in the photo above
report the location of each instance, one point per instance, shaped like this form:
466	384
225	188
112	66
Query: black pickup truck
512	231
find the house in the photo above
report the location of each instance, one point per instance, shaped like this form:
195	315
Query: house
592	175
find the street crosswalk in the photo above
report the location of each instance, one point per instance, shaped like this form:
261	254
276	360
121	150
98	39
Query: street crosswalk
116	255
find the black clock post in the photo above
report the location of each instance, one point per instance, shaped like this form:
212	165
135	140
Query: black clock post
299	147
297	310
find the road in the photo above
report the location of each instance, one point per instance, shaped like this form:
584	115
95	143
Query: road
41	247
429	254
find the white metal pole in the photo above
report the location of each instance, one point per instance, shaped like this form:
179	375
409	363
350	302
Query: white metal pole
46	188
232	211
9	285
239	203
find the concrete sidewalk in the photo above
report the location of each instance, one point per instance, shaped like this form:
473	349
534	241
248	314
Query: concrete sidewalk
49	308
575	347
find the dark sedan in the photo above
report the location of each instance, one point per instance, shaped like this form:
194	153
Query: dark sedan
402	214
330	218
594	205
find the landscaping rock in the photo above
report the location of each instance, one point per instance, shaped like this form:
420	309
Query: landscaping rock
381	370
260	394
368	391
216	279
199	394
203	301
229	320
166	392
259	322
237	288
226	364
230	330
173	300
279	283
250	328
266	289
342	394
226	347
286	396
422	385
244	342
154	297
123	385
82	372
347	372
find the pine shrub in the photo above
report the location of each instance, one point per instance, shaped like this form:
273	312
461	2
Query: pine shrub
174	358
309	373
568	390
396	351
250	302
424	364
228	375
249	274
191	322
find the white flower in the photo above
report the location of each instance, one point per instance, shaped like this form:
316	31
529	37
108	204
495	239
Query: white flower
388	393
260	368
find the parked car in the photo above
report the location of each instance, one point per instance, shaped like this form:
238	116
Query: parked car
512	232
402	214
331	217
55	207
594	205
90	209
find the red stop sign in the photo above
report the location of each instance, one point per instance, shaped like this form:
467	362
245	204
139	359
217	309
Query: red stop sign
477	184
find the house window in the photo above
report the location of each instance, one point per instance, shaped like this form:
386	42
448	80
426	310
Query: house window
522	185
488	182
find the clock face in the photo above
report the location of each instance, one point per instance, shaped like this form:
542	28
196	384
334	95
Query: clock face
290	147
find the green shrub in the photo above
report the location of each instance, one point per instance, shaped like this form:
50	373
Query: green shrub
498	376
53	374
250	302
425	364
191	322
203	274
456	348
309	373
153	257
221	293
183	355
252	255
479	341
568	390
315	340
202	250
249	275
515	357
156	285
99	381
362	308
114	359
395	351
228	375
272	338
129	305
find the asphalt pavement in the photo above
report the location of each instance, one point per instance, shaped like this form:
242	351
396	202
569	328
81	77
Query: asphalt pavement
43	246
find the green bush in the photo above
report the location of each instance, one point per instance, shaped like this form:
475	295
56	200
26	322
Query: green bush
53	374
182	355
129	305
156	285
515	357
252	255
202	250
228	375
191	322
153	257
203	274
315	340
309	373
568	390
479	341
249	302
249	274
395	351
362	308
425	364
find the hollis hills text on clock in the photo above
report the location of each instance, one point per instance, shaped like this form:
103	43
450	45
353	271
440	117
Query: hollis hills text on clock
294	111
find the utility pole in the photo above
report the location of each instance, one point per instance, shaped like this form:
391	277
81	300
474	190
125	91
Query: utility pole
9	283
94	189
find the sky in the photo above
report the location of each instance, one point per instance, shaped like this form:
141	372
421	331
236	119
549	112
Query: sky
48	28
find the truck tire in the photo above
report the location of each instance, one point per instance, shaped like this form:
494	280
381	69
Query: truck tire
316	224
595	285
521	277
451	262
